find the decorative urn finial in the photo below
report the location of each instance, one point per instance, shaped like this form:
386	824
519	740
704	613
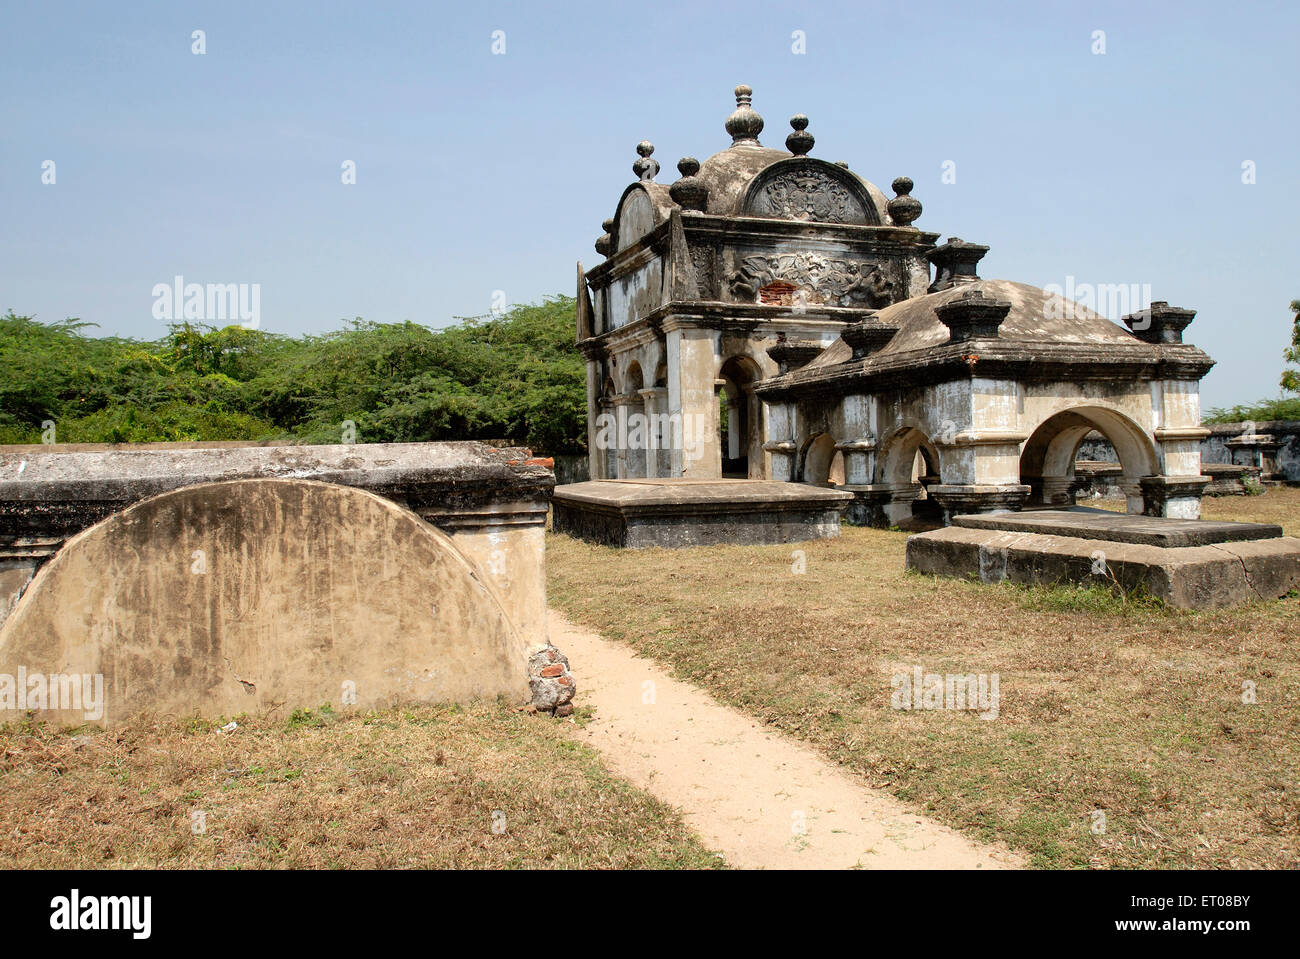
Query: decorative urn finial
605	243
645	168
744	125
690	192
904	208
800	141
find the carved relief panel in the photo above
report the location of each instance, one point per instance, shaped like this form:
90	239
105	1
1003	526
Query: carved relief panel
815	279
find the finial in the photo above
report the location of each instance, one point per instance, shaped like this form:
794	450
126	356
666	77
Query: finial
605	243
744	125
971	314
800	141
690	192
645	168
904	208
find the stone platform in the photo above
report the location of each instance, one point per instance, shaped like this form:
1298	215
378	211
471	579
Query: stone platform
684	512
1192	564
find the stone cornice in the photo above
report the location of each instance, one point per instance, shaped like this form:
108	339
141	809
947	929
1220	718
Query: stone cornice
979	358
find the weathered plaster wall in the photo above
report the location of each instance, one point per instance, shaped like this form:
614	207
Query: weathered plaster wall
221	598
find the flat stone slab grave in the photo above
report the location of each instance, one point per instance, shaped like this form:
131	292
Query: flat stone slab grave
1086	523
1192	564
638	513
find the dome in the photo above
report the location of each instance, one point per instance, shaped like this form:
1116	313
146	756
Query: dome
727	174
1036	316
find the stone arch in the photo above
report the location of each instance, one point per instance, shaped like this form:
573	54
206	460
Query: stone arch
633	378
1047	457
606	455
740	417
820	463
908	464
908	457
226	597
806	188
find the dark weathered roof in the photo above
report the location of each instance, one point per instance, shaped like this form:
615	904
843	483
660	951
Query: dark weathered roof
1036	316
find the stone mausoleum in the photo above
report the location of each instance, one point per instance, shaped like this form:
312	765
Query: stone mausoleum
773	316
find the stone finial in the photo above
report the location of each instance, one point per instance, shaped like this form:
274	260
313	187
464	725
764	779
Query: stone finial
744	125
904	208
606	242
690	192
1159	322
645	168
954	263
793	354
800	141
868	335
972	314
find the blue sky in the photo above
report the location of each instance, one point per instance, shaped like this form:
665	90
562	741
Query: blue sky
479	172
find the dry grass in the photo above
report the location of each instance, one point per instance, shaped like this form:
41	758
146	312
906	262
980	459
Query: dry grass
1122	707
402	788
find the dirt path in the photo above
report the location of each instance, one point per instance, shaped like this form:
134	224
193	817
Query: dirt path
744	788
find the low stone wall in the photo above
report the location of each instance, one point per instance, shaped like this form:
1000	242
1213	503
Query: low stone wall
186	575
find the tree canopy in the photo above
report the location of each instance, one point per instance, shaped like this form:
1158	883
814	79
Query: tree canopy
517	377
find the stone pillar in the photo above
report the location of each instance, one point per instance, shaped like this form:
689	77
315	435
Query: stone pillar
1178	443
780	440
1133	498
1178	497
980	462
869	499
629	464
593	411
654	400
605	441
1059	490
981	473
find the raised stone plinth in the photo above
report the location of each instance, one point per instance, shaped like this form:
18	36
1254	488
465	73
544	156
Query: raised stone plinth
682	512
1186	563
1083	523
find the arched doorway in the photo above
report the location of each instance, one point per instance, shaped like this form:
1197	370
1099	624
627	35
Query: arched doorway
820	463
638	441
739	419
910	465
1047	459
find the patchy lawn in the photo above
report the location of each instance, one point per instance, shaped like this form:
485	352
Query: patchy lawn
1108	706
420	787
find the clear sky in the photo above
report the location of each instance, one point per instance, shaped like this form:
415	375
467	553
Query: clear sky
479	172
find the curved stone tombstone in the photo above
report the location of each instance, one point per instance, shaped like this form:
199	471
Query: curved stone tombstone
238	596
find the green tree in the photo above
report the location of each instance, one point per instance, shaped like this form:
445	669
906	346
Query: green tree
1291	378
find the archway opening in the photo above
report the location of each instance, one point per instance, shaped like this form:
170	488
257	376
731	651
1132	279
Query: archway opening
1048	457
909	466
739	419
819	461
637	436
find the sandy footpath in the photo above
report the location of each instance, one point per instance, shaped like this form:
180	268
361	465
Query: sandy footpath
760	799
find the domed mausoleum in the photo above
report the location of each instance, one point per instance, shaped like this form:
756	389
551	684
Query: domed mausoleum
774	316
